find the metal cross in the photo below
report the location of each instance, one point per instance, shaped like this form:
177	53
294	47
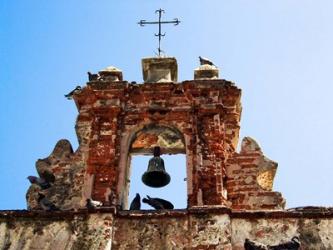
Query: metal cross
159	22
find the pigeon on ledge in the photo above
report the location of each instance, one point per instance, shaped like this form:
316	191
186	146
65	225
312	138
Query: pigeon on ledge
92	77
157	203
47	175
205	61
91	204
69	96
45	204
252	245
136	203
39	181
294	244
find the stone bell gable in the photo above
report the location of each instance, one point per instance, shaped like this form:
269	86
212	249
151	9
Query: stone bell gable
230	199
117	119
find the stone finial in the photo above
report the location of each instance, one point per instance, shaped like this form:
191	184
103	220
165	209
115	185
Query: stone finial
111	74
249	145
205	72
266	167
250	179
159	69
266	173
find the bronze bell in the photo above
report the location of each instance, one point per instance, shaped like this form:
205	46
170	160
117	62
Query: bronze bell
156	176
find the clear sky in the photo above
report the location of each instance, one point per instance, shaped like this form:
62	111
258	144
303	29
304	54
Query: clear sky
280	53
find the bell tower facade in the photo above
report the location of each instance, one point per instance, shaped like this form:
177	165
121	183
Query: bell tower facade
202	115
199	118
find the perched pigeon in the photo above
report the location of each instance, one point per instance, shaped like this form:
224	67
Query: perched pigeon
70	94
39	181
294	244
91	204
45	203
153	202
157	203
252	245
92	77
47	175
204	61
136	203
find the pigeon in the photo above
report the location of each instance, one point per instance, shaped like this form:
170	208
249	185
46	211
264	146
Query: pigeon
294	244
204	61
136	203
39	181
69	96
92	77
157	203
91	204
48	176
45	204
252	245
153	203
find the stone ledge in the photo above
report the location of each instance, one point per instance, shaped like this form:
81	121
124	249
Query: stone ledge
54	214
304	212
315	212
210	82
102	85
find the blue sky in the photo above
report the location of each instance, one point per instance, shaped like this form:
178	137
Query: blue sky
279	52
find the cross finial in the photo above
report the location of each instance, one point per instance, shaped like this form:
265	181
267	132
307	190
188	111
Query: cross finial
159	22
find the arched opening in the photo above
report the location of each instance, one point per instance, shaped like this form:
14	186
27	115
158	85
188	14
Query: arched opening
172	145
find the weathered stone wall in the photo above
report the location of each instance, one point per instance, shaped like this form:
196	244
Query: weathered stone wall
213	228
172	230
313	226
55	231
